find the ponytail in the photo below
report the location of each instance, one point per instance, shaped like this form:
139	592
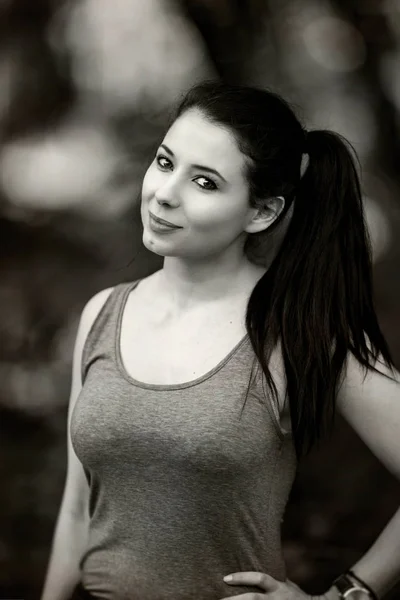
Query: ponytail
316	297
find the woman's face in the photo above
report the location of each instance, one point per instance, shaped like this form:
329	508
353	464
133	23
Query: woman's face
197	181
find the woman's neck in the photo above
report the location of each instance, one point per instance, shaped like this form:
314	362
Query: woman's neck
185	287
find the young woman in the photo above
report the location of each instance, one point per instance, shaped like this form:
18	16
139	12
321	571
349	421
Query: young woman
197	389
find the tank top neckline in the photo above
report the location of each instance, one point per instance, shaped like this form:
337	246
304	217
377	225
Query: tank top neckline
162	386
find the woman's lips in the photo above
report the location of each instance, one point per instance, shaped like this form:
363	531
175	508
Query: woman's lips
163	222
161	227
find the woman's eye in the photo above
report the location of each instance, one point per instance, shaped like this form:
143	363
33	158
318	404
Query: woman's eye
203	182
207	184
163	162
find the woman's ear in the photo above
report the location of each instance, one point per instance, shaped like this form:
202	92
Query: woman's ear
265	214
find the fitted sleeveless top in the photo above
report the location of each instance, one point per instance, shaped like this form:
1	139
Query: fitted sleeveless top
187	483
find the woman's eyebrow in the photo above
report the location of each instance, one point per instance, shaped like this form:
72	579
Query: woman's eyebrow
200	167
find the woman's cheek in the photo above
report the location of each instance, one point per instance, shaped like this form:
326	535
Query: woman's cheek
147	182
151	181
206	209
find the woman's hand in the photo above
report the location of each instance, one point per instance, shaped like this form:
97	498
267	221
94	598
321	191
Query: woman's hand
272	588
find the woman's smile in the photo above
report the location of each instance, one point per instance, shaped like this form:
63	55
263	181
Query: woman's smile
159	227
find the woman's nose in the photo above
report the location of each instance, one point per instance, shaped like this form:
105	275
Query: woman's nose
167	194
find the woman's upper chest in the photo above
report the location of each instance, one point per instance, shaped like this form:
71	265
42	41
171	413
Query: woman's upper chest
160	350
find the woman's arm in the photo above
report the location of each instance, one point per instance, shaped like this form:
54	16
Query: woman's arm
71	530
63	572
372	407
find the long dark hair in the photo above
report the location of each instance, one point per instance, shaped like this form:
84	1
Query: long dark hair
316	297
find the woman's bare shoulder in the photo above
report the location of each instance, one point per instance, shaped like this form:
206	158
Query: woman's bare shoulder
89	313
96	303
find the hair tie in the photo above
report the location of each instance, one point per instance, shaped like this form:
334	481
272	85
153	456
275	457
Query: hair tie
305	159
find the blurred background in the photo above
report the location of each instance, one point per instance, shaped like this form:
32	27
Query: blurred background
85	91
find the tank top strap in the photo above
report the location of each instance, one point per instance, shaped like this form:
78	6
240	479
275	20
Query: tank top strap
103	334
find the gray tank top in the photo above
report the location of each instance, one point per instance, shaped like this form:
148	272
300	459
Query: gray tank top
185	487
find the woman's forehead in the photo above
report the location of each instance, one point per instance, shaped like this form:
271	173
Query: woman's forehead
195	139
